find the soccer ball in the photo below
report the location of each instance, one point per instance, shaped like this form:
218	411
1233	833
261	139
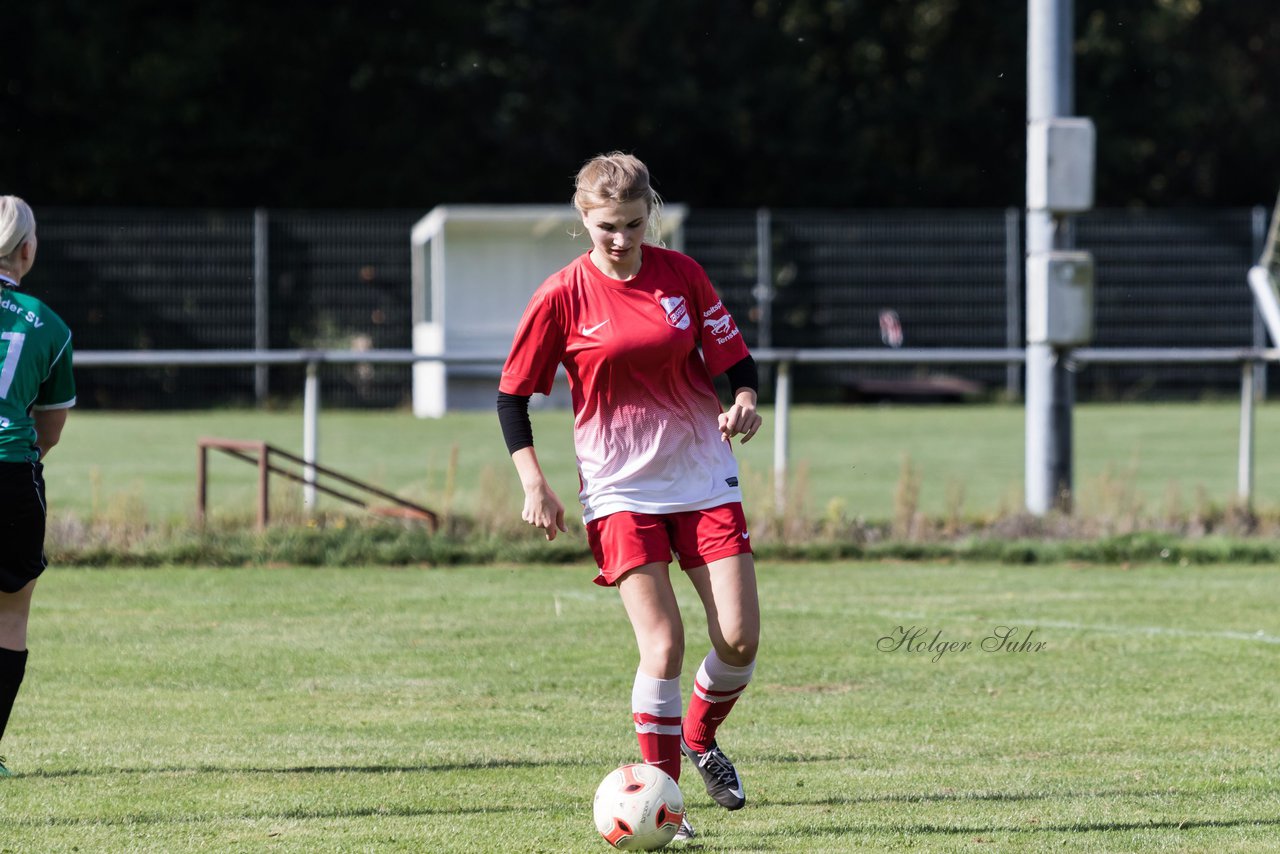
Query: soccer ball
638	808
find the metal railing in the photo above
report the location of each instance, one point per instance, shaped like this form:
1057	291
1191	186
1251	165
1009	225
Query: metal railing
1249	359
270	460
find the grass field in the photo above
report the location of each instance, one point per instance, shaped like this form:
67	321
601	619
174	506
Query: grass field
475	710
968	459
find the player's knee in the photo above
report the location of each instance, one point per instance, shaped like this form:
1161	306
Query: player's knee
739	651
13	630
666	653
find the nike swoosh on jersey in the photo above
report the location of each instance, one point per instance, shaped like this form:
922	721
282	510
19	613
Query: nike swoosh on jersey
592	330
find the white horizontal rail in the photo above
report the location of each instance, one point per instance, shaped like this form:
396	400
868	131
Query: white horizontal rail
829	356
243	358
1246	357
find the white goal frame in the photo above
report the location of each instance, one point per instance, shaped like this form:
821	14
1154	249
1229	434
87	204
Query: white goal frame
1263	278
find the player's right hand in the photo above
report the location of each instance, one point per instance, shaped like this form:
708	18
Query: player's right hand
542	509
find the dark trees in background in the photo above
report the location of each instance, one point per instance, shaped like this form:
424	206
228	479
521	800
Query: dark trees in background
809	103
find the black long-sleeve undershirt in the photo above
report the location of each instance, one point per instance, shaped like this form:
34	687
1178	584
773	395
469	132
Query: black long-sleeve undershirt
743	374
513	415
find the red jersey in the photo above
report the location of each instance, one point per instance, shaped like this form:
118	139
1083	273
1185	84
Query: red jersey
645	409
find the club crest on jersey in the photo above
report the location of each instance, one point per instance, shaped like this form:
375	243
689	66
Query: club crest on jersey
677	311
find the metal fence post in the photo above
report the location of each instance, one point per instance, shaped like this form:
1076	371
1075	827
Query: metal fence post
763	290
781	436
261	302
1013	298
310	434
1259	229
202	483
264	487
1244	468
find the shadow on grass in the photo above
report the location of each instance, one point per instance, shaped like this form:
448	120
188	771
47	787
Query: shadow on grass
444	767
930	797
477	765
949	796
277	815
1075	827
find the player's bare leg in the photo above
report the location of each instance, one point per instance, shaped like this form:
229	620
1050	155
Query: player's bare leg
651	606
727	588
655	698
15	608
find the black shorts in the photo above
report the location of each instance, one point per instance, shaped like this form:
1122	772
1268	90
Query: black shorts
21	524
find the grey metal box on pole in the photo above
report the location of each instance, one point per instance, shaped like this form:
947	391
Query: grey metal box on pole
1060	298
1060	164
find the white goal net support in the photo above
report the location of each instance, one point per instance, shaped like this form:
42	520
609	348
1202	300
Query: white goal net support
1264	279
474	269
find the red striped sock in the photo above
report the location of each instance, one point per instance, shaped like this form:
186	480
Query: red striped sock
655	708
715	689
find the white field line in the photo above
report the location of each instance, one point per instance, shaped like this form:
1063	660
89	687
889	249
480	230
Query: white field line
1164	631
1152	631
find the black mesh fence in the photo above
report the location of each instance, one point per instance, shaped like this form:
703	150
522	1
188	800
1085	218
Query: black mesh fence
164	280
1169	279
341	280
184	279
941	274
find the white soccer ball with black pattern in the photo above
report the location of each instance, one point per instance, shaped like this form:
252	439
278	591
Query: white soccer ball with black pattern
638	808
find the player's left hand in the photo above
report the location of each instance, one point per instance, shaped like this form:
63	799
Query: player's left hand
740	419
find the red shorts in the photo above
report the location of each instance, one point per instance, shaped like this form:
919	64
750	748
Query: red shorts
624	540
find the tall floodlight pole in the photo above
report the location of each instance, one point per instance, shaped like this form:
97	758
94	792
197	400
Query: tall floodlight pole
1059	281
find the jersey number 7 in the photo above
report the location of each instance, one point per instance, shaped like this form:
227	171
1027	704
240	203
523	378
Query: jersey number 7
11	358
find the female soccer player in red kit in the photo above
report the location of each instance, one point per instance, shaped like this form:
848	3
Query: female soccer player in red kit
656	468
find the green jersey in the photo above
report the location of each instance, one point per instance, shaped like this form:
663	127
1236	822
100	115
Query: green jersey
35	371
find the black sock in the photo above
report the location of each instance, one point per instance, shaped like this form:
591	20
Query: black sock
13	665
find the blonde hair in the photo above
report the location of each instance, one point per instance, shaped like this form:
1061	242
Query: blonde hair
17	224
617	178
